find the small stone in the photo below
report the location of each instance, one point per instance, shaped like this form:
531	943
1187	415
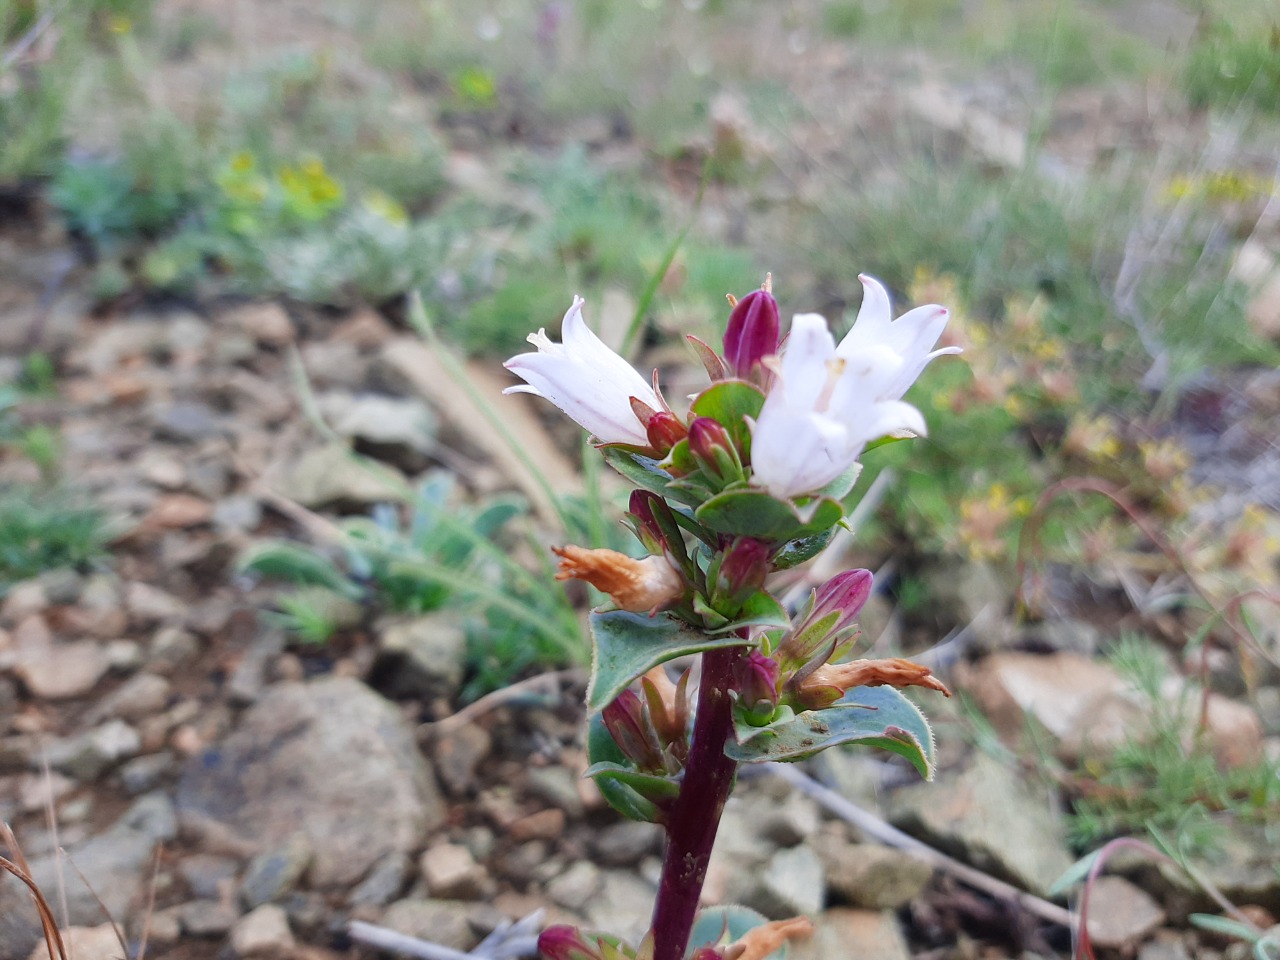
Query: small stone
458	753
329	475
148	605
62	671
866	934
145	773
421	656
87	755
450	872
62	586
439	921
264	932
170	648
186	422
790	821
576	886
383	882
793	882
23	600
139	697
626	842
207	876
557	785
124	656
207	919
272	874
543	825
177	511
1121	915
1165	945
86	942
237	514
871	876
267	323
623	905
38	792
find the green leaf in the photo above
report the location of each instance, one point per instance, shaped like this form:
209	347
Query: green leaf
744	511
1224	926
601	750
628	645
717	926
805	548
644	472
729	402
1078	872
760	609
649	785
839	488
285	561
871	716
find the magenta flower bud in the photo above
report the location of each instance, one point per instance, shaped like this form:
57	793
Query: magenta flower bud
757	679
831	613
563	942
752	333
740	571
628	723
710	445
641	508
665	430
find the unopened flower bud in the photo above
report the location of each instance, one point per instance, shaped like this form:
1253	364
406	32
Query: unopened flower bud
668	710
710	445
665	430
738	573
628	722
563	942
832	611
636	585
827	684
757	683
752	333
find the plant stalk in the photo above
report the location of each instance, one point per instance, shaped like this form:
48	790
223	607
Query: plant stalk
695	817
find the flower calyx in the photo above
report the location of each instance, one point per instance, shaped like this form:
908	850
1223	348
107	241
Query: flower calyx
752	335
640	586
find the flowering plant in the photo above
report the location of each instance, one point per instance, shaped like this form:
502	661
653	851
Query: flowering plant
750	480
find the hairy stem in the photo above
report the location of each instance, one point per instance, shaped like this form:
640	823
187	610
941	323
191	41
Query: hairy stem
691	830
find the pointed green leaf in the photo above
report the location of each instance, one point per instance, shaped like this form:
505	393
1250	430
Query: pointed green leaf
628	645
805	548
871	716
729	403
745	511
602	750
285	561
839	488
648	785
644	472
761	609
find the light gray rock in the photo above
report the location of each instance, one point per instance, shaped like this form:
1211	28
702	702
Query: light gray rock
623	904
451	873
329	759
401	430
207	875
207	919
273	873
439	921
262	933
384	881
330	475
85	756
116	863
575	887
186	422
556	785
143	773
871	876
991	818
458	753
865	934
625	843
420	656
1120	914
62	671
793	882
135	699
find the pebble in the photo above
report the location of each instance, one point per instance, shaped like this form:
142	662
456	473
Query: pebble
557	785
85	756
135	699
62	671
1121	915
841	932
625	843
383	882
542	825
264	932
208	876
86	942
457	755
207	919
272	874
148	605
871	876
576	886
170	648
186	422
23	600
438	921
452	873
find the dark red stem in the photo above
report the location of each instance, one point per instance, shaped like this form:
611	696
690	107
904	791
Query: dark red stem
691	829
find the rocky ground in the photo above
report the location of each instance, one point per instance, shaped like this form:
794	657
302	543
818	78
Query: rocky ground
223	790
